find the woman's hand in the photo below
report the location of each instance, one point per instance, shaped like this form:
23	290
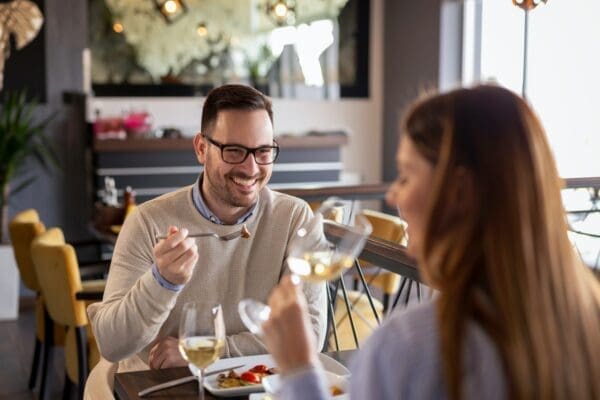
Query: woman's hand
287	333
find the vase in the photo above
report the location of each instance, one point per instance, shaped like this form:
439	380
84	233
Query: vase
9	284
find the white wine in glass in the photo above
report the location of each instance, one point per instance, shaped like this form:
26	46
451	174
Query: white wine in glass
201	350
318	266
201	337
314	261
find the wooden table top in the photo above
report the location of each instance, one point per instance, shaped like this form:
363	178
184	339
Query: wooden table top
128	384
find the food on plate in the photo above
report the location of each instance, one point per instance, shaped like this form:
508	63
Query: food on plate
245	232
253	376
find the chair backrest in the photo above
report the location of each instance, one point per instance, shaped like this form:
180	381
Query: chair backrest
335	214
58	274
393	229
385	226
23	228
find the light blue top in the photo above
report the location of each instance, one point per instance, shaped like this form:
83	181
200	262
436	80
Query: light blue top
402	360
209	215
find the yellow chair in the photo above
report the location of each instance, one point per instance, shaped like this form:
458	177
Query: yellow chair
386	227
23	229
335	214
57	270
360	309
393	229
362	317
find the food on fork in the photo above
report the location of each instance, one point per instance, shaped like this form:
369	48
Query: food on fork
335	390
245	232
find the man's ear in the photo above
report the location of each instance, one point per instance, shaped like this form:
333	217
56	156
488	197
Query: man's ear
201	148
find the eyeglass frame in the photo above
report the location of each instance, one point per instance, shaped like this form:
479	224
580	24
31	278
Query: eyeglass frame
248	150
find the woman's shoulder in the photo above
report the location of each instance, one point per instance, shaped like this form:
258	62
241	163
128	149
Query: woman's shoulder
409	334
403	350
415	325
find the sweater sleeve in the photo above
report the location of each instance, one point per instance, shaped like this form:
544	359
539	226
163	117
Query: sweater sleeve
134	306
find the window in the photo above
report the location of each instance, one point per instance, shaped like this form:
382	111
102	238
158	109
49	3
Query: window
562	72
562	83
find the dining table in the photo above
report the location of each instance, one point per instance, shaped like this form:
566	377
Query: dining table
129	384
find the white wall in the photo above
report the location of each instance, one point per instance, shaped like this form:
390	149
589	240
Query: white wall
361	118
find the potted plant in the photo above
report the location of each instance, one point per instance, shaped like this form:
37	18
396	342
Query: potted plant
21	136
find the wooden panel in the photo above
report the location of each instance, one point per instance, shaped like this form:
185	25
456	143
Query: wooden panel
287	142
351	192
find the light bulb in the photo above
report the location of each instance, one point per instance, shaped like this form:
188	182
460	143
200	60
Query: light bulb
201	30
280	9
170	6
117	27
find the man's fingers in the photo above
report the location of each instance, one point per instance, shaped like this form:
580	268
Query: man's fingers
187	259
155	361
175	237
164	354
172	255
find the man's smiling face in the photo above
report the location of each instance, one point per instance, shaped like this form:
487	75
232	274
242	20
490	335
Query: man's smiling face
233	187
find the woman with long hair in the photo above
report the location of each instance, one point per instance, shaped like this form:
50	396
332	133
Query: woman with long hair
517	315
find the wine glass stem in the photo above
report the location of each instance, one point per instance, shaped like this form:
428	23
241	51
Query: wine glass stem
200	384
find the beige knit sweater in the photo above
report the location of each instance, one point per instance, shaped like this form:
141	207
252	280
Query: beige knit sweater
136	310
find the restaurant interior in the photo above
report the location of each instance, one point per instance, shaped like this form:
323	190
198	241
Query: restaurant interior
111	95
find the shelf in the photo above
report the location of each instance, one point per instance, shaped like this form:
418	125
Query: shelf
144	145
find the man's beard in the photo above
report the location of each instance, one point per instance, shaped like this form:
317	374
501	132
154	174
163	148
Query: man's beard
222	189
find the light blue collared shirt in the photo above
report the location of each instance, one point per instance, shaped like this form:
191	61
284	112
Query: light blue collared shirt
209	215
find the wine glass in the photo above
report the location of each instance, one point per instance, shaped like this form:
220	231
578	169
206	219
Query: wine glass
312	260
201	337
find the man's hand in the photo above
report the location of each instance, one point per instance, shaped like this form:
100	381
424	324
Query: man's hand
165	354
176	256
287	332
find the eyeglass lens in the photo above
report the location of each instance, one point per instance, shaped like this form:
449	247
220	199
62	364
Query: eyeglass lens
236	154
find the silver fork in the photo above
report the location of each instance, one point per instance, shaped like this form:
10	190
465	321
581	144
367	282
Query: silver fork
243	231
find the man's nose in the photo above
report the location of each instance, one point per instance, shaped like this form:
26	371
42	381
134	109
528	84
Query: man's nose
249	165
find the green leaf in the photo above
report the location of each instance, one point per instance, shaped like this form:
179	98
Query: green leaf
23	136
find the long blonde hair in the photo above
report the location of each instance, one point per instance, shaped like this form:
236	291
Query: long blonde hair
506	262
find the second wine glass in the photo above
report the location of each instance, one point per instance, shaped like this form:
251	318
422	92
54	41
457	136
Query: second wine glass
201	337
314	260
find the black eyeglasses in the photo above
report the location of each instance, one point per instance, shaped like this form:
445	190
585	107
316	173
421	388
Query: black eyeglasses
237	154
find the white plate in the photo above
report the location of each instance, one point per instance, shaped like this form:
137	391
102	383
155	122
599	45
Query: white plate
272	383
267	396
261	396
210	382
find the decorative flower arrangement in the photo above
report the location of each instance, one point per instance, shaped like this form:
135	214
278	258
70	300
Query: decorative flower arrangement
167	49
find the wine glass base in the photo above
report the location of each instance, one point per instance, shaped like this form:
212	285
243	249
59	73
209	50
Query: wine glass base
253	314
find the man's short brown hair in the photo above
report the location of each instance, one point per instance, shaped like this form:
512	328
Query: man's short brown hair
232	97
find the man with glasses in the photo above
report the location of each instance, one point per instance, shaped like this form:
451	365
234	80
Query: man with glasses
136	324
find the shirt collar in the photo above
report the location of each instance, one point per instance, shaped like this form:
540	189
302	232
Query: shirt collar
205	211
